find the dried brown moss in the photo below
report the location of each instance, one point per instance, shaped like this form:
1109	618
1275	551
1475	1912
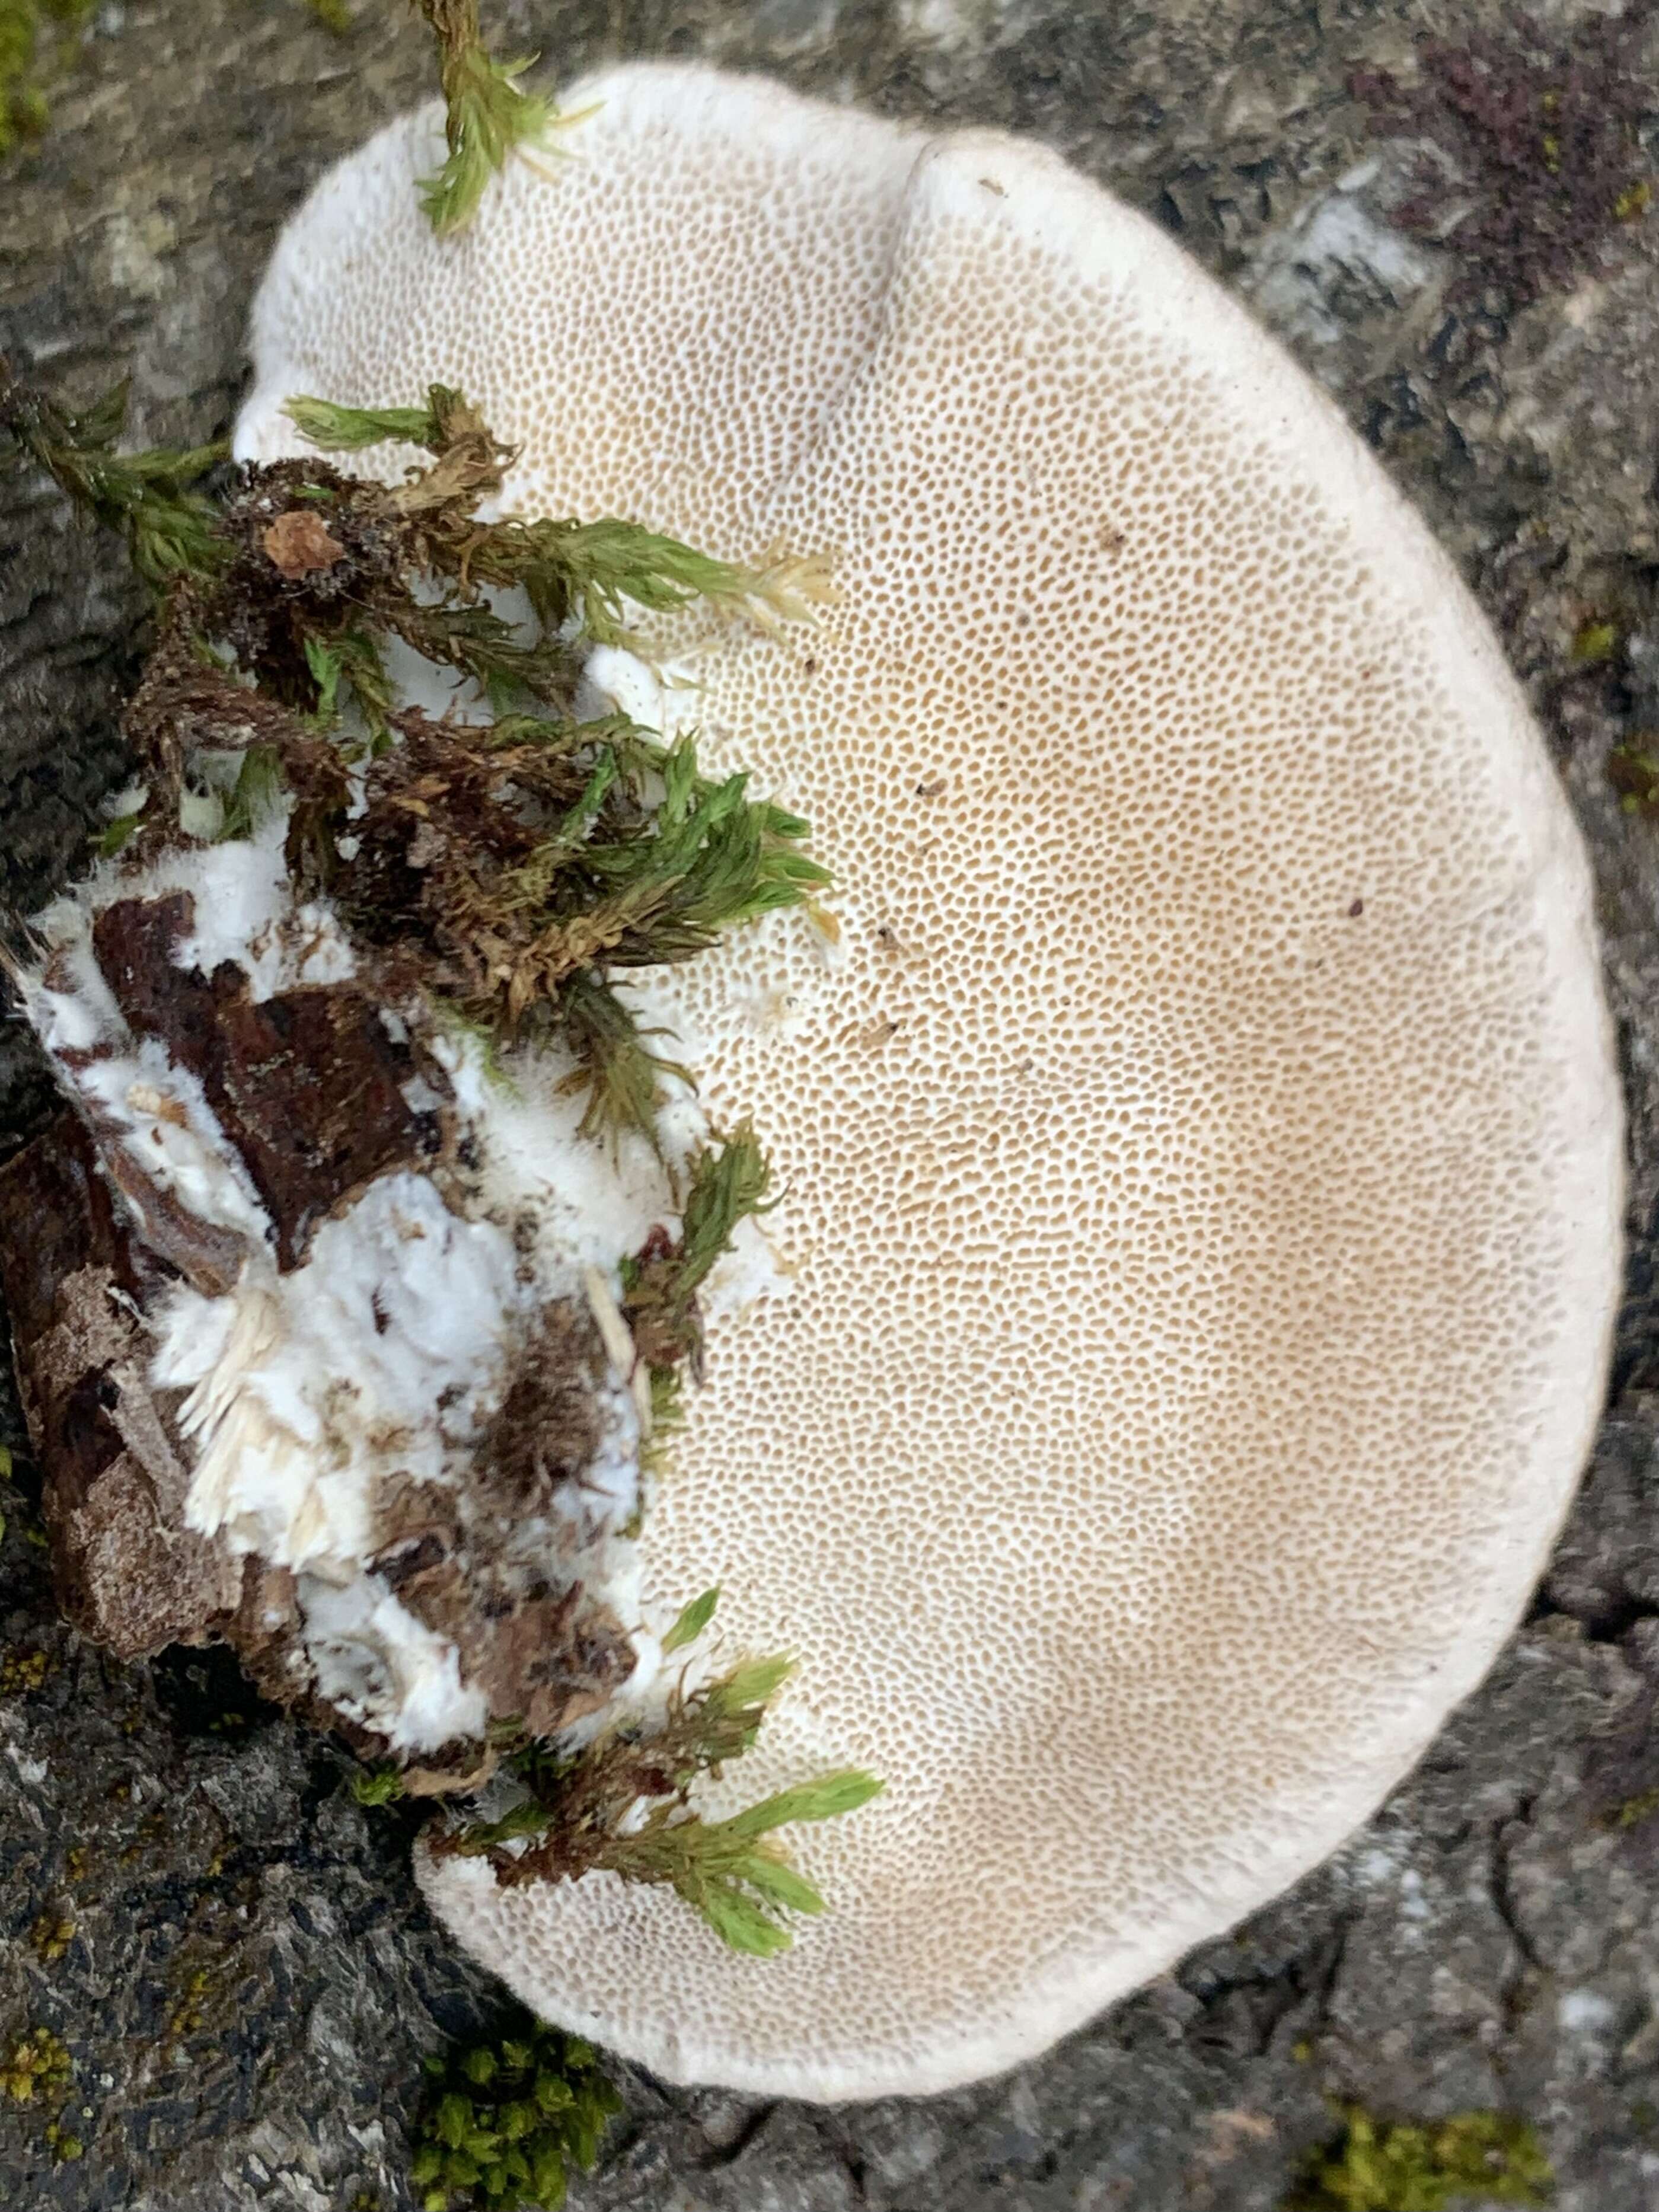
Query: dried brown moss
1539	137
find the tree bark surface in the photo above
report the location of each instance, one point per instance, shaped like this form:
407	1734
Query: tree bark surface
251	1982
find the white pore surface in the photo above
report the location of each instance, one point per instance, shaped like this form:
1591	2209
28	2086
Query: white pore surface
1204	1158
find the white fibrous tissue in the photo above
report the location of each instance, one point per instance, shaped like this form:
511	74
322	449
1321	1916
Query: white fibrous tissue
379	1285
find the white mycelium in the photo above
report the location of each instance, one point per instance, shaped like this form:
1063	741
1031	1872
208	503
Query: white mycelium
383	1355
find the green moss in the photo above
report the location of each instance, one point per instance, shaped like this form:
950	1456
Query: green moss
26	26
581	1811
1385	2165
149	497
505	2120
376	1785
574	850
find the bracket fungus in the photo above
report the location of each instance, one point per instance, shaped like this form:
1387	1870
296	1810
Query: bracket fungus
1200	1148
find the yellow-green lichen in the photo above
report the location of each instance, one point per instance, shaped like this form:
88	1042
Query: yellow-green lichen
50	1936
1594	642
189	2016
64	2146
1633	1811
1385	2165
22	1670
36	2068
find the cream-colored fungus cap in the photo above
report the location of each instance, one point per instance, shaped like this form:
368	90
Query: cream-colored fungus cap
1203	1153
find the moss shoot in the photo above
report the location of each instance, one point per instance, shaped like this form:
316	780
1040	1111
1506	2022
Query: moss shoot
580	1813
729	1184
488	113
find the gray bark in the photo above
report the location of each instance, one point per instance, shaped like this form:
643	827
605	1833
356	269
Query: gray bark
251	1983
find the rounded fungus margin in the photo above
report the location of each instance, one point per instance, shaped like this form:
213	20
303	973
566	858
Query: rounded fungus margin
1203	1158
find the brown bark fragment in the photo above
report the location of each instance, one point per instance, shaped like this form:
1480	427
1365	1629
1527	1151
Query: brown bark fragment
308	1085
127	1569
208	1257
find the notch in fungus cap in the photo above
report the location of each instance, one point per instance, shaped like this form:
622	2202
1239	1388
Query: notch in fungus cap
1202	1156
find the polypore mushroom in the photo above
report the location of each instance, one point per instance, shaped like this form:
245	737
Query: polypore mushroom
1202	1156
